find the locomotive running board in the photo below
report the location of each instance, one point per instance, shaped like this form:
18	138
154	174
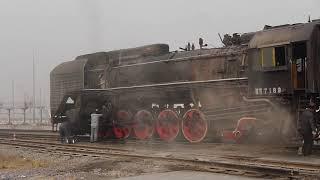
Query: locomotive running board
240	82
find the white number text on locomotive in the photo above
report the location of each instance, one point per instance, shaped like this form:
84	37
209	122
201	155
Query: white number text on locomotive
264	91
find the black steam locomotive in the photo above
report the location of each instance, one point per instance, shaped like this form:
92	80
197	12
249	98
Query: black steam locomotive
258	80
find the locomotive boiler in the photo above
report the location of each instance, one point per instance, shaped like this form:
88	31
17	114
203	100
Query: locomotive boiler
148	92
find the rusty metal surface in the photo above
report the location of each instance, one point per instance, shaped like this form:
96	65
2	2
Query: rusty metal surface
192	55
189	84
282	35
204	64
128	56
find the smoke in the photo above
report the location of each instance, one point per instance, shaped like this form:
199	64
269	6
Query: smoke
92	12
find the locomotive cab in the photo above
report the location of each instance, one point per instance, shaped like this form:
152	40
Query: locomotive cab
284	60
283	68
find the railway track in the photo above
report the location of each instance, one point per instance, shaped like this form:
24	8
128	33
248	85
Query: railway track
54	137
235	165
29	134
50	136
27	130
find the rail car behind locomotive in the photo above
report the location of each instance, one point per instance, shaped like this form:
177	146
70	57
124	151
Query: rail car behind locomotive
148	91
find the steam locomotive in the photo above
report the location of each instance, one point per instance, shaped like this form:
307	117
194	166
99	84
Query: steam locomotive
257	80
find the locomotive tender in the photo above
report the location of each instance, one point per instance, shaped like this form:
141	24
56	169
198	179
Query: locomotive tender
148	91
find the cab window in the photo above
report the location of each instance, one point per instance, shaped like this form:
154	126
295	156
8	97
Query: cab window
272	56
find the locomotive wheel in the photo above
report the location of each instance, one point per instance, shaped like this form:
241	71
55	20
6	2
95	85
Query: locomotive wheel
143	124
167	125
194	126
121	128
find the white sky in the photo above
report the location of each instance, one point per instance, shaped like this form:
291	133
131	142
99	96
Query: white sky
59	30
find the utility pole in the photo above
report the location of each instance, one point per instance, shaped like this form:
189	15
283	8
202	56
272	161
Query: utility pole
13	94
24	108
40	105
33	90
9	115
12	99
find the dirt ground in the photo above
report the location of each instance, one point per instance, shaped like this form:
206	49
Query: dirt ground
14	161
27	164
23	163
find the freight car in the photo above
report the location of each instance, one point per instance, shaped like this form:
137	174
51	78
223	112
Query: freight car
148	91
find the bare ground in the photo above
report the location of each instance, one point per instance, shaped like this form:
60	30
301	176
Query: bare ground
18	163
23	163
13	161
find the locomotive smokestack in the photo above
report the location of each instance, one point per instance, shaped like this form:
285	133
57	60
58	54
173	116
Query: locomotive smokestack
33	91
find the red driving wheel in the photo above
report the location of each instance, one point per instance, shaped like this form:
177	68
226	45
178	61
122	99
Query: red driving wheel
143	125
194	126
121	127
167	125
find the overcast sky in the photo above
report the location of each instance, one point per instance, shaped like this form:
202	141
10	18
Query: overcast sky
59	30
